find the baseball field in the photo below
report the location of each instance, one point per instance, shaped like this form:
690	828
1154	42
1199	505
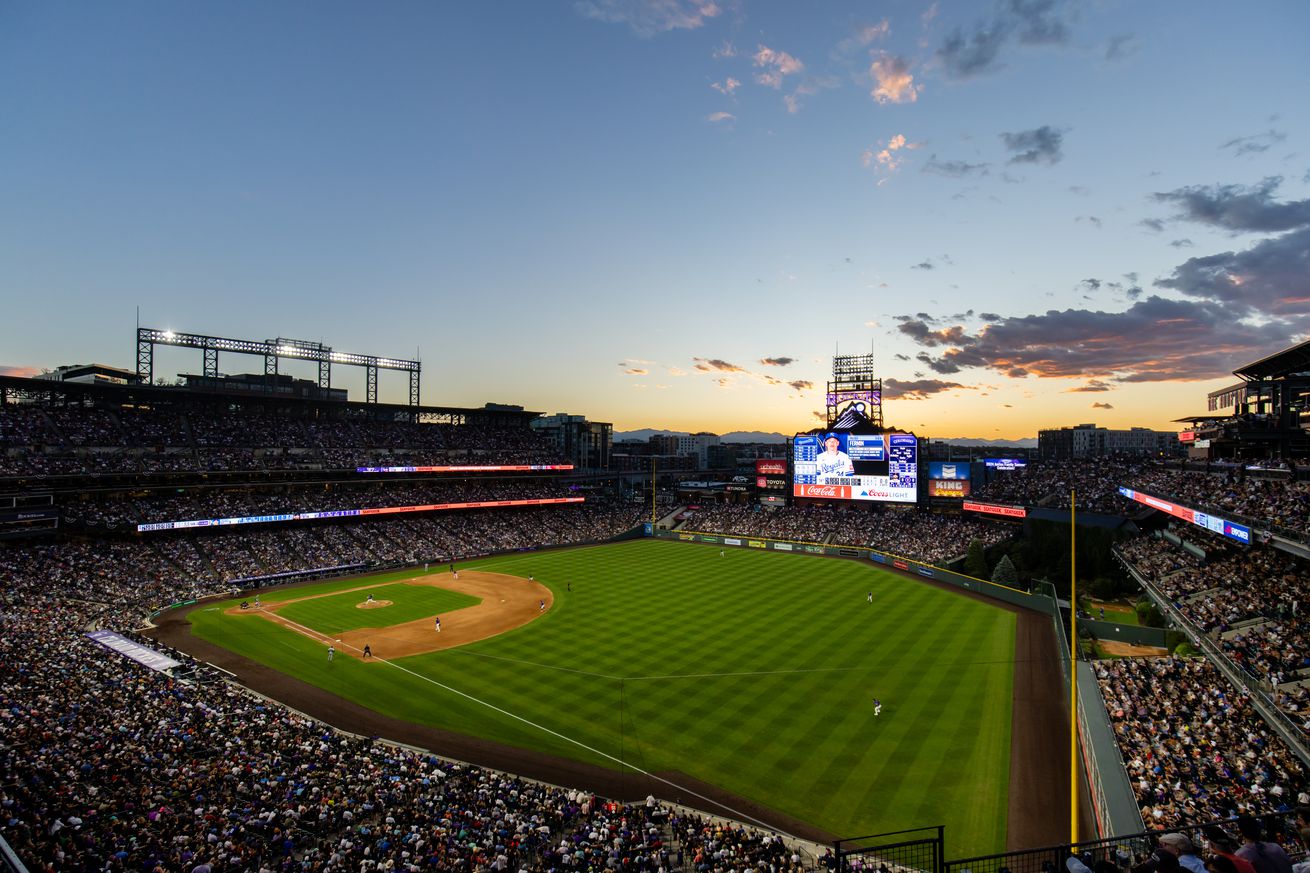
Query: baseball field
750	671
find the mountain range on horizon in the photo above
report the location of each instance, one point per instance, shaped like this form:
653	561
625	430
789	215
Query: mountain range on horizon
755	436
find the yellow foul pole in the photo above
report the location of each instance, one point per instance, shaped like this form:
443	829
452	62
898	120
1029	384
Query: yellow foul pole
1073	671
653	519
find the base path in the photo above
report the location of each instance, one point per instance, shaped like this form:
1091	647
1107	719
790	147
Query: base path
507	602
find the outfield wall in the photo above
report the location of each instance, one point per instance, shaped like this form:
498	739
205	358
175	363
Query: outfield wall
834	550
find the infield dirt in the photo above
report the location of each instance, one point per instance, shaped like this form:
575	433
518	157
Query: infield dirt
508	602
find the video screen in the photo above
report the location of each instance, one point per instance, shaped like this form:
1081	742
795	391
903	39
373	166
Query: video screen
855	466
948	479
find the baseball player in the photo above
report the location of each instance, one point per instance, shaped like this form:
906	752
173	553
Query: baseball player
869	599
332	652
368	653
438	620
877	707
833	461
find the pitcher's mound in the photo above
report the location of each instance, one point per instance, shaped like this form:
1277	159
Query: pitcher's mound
373	604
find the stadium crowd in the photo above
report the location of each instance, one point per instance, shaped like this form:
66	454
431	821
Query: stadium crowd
228	554
1281	502
69	440
112	766
1255	604
932	538
1094	483
1195	749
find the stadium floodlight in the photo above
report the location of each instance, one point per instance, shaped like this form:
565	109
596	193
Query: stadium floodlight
270	350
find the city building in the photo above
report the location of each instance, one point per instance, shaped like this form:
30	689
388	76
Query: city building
1090	441
91	374
588	444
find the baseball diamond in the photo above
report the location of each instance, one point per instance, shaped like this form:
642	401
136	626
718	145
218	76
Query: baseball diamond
744	680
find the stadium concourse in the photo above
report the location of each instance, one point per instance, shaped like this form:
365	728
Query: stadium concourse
110	765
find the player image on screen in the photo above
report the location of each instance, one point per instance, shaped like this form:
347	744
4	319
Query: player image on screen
832	461
843	465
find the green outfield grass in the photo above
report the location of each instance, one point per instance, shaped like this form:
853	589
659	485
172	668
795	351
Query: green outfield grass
754	671
341	612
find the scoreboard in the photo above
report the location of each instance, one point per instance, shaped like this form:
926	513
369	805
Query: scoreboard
848	466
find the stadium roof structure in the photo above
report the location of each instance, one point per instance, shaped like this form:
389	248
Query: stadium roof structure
32	388
1291	361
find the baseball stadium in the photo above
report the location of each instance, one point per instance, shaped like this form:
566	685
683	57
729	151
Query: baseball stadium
252	624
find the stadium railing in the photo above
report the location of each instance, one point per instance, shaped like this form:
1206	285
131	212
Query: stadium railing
1256	689
9	862
1122	851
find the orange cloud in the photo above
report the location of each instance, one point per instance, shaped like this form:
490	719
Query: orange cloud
776	65
894	83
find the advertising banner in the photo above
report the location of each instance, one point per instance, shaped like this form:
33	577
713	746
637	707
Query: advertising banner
997	509
344	513
771	467
1213	523
467	468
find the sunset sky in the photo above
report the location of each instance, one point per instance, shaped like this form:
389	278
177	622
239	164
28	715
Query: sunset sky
671	213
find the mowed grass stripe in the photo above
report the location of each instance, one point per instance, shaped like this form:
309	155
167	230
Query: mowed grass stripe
736	633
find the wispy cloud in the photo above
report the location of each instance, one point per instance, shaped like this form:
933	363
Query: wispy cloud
725	50
863	37
777	362
801	384
1092	386
1237	207
706	365
21	372
886	158
893	82
648	18
1121	47
953	169
1041	145
1255	143
977	50
717	117
775	65
635	371
918	389
1102	406
727	86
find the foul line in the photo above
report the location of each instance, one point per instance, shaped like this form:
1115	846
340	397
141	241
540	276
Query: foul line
742	815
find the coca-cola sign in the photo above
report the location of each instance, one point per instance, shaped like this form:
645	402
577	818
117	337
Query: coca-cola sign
835	492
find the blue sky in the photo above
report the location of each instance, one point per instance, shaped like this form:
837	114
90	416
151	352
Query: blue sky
672	212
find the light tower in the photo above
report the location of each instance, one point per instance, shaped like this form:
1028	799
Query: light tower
854	385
